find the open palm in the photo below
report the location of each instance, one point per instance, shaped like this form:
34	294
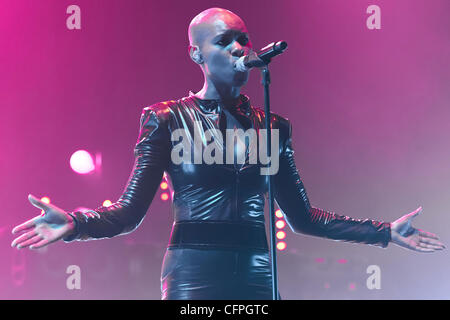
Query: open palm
404	235
44	229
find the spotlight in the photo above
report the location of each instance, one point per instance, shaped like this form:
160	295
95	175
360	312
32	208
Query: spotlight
164	185
82	162
45	200
281	245
280	224
164	196
106	203
278	213
281	235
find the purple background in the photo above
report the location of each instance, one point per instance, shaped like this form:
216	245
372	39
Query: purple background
370	111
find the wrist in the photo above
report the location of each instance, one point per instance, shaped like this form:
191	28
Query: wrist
72	224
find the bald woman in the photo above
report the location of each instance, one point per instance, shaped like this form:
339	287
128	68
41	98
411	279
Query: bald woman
218	246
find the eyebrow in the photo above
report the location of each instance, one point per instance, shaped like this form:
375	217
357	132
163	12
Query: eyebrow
229	33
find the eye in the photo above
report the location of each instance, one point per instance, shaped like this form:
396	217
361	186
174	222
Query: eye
222	42
243	40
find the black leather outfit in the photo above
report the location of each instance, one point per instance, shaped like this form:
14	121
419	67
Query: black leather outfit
218	247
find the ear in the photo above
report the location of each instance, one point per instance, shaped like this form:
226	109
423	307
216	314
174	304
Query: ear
195	54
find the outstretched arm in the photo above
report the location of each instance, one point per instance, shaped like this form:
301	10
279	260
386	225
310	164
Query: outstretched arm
151	158
290	194
291	197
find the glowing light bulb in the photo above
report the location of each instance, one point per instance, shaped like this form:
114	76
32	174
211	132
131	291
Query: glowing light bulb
106	203
164	185
281	235
278	213
82	162
45	199
164	196
280	224
281	245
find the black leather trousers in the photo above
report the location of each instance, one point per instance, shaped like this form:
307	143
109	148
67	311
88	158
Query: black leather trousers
216	274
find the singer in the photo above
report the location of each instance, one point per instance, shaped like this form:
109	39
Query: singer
218	247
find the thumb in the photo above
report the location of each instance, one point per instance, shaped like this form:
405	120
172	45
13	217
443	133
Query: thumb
37	202
416	212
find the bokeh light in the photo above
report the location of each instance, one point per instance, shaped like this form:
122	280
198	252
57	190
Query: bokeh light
278	213
82	162
319	260
106	203
280	224
281	245
164	196
281	235
164	185
45	200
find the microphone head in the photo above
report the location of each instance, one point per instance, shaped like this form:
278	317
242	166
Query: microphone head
280	46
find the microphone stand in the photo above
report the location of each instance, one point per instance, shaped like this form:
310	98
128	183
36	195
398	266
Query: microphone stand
265	81
262	61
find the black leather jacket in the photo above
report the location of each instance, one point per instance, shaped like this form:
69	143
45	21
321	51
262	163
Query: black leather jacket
216	192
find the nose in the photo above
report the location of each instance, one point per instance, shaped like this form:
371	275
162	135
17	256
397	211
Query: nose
238	50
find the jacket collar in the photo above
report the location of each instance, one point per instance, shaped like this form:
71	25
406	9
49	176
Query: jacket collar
215	105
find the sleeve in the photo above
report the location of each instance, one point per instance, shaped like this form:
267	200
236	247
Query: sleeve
291	197
151	155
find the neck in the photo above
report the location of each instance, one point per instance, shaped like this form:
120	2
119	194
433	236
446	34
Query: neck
210	91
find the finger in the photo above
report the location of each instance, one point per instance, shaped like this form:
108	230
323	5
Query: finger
26	225
420	249
33	240
430	246
426	234
38	203
41	244
23	237
431	241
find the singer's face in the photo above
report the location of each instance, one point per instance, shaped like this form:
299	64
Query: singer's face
225	39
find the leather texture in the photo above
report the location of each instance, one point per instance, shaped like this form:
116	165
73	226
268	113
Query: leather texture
231	193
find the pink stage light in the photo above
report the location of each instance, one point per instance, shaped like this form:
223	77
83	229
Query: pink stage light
281	245
281	235
164	196
278	213
320	260
106	203
45	200
280	224
164	185
82	162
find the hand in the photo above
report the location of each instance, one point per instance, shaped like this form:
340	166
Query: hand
44	229
404	235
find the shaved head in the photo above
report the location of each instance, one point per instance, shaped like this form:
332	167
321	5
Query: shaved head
210	21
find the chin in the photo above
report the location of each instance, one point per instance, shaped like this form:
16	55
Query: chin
240	78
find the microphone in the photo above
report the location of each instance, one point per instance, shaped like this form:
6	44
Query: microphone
261	58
